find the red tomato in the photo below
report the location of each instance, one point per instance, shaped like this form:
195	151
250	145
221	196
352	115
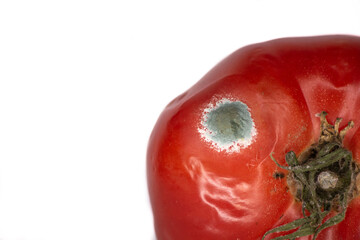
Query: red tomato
209	171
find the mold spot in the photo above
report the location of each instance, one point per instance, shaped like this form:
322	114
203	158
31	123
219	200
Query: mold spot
229	122
228	125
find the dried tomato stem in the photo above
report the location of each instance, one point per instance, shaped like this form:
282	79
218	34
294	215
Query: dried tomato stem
325	176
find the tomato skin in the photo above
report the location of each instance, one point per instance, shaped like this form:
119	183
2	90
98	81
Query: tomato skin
198	191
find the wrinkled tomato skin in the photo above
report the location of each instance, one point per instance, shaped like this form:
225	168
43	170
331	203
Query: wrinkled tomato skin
200	192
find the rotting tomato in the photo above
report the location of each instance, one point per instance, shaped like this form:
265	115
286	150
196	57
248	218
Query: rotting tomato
209	162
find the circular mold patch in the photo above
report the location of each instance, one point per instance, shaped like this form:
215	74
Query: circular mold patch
228	126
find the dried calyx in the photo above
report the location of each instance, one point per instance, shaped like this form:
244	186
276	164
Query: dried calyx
322	178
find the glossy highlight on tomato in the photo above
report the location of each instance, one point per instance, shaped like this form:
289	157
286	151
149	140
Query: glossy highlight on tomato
209	171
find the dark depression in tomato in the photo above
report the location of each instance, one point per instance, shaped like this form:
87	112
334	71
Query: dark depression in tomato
265	146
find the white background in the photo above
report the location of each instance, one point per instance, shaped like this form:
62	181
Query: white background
82	84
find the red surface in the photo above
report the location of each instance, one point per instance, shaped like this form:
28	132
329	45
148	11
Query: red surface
199	193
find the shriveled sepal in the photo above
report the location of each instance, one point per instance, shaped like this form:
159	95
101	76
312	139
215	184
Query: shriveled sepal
324	177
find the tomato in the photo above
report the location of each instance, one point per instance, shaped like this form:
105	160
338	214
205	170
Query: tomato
209	168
